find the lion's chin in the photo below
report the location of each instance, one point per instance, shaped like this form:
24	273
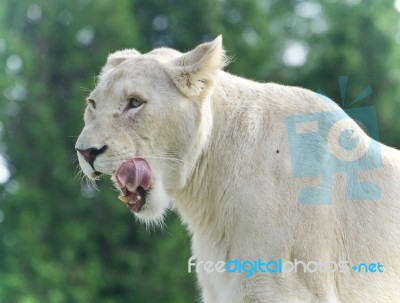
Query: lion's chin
154	209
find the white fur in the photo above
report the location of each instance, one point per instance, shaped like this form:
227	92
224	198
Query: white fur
211	140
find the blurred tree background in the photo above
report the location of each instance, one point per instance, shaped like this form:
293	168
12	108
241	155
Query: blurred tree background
63	241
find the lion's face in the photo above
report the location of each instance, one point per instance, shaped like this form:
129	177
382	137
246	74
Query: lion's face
147	121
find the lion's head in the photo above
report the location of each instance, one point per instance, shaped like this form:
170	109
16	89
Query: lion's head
147	122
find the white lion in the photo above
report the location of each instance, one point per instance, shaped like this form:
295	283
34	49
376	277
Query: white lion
172	127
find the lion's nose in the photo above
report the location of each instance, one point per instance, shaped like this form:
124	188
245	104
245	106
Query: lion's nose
90	154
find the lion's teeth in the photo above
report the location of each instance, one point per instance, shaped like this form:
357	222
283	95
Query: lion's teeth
124	199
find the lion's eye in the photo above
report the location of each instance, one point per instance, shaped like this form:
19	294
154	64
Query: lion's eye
134	102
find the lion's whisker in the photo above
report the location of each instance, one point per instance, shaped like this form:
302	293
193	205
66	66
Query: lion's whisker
168	158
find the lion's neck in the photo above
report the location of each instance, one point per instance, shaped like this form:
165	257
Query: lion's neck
209	204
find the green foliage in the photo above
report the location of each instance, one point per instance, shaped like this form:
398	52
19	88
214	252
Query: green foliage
60	240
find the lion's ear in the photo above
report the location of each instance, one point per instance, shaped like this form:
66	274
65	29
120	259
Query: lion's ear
193	72
118	57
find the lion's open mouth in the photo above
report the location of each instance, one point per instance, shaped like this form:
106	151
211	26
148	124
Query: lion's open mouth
134	179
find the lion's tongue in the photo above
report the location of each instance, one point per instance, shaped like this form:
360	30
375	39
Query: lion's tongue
134	173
